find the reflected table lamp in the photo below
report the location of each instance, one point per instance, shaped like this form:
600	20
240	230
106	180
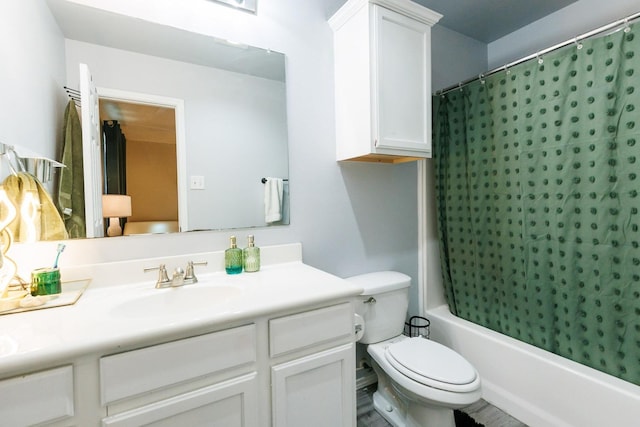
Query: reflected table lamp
114	207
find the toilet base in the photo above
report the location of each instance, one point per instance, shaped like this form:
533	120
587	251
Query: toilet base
413	415
391	413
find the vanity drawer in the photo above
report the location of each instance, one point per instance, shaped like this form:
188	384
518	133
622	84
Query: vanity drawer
303	330
135	372
37	398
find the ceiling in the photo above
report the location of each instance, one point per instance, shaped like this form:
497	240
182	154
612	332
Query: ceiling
489	20
483	20
141	122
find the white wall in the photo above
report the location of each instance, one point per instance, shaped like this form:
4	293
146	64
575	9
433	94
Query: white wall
350	218
32	49
235	127
571	21
455	57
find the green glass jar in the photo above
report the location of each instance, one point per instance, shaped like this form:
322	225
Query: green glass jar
45	281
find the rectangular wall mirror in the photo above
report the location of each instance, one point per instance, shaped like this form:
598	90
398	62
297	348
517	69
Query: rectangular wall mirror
200	165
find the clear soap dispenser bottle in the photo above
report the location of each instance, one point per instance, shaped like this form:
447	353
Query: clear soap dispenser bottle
251	256
233	257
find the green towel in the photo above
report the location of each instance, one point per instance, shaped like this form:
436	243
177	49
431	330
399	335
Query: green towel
70	200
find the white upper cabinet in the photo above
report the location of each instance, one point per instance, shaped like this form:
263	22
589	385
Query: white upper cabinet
382	54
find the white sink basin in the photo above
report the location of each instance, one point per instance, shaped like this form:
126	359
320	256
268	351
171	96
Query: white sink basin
175	301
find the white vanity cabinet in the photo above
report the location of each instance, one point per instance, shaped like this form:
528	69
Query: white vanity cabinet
207	380
382	52
308	358
280	352
37	398
293	367
313	368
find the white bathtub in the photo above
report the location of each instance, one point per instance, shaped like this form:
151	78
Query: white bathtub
535	386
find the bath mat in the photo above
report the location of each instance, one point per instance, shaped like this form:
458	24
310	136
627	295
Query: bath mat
464	420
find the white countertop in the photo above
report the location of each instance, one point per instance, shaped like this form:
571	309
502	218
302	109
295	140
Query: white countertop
106	318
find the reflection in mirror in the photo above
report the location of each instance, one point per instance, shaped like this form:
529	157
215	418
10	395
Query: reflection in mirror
235	128
139	152
248	5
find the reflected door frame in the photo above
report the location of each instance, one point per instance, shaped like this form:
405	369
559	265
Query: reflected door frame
181	154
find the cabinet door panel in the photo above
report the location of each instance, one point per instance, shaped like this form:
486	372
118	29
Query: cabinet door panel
401	72
315	391
37	398
311	328
140	371
232	403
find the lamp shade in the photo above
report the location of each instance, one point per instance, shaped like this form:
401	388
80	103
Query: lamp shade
116	206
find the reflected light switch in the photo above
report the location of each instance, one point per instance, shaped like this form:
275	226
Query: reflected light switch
197	182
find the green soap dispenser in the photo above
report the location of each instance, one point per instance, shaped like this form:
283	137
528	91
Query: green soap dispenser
233	257
251	256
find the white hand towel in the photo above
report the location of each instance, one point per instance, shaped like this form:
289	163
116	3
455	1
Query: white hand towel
273	200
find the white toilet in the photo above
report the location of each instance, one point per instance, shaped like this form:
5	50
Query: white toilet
420	382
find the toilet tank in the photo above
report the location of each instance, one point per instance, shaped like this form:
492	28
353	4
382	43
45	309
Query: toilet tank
383	304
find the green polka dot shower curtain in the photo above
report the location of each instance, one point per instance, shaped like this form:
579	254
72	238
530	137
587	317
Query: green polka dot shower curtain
537	176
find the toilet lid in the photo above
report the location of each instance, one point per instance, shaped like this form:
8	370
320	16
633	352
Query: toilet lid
427	361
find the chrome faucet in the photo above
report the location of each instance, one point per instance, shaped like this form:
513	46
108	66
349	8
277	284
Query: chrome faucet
180	277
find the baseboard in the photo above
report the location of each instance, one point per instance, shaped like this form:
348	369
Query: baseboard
365	377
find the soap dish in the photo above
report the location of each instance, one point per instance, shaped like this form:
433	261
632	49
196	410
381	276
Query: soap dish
19	300
12	301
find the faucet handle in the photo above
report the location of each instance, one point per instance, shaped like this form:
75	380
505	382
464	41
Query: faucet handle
163	276
178	277
190	275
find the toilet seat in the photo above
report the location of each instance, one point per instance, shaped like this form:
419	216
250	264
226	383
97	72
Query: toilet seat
432	364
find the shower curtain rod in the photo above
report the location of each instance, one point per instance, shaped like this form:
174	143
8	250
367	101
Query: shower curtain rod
624	21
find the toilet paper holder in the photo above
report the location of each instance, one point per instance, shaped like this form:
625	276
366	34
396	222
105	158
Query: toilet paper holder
417	326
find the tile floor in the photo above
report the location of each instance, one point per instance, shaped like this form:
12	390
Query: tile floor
481	411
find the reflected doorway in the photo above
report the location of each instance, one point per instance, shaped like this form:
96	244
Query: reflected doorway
141	157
